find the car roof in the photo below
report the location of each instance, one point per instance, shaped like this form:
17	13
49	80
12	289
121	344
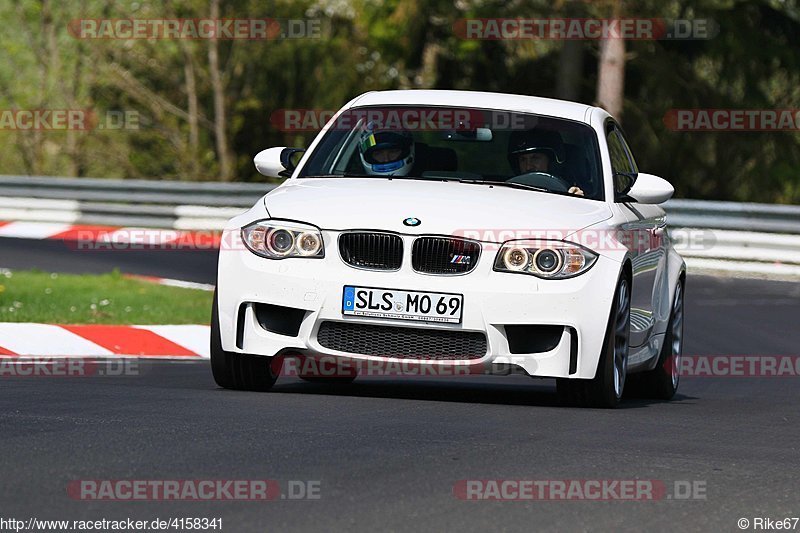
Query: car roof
476	99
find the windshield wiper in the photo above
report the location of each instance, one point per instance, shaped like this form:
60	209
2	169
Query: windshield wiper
509	184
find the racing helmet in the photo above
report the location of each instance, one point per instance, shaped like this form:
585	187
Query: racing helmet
543	141
386	153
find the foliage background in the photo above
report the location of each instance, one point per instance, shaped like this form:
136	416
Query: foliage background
174	85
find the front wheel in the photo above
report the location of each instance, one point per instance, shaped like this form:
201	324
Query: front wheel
239	371
605	389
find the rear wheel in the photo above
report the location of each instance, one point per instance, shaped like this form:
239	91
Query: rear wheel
608	384
662	381
237	370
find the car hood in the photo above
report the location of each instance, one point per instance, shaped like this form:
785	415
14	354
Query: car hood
445	208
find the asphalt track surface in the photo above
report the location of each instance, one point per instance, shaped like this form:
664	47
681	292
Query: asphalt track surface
387	451
59	256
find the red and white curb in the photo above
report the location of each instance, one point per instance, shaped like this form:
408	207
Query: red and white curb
156	342
85	234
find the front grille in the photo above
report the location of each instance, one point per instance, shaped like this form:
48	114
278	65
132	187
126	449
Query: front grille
401	342
376	251
444	255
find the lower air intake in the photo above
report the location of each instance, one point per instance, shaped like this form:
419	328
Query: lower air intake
402	342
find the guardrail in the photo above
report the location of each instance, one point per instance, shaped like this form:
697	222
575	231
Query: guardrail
739	237
135	191
144	203
734	216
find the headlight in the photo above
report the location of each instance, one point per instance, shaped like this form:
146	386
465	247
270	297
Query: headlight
548	260
276	239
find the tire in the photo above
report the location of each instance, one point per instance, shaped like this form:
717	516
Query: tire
662	382
236	370
606	388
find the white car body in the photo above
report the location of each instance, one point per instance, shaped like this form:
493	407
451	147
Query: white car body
492	300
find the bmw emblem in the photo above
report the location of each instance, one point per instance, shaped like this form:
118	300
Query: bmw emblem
411	221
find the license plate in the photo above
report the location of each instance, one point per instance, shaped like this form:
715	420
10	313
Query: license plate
402	305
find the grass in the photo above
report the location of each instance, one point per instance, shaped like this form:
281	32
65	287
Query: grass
35	296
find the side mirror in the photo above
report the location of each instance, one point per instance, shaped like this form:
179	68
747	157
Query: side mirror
650	189
277	162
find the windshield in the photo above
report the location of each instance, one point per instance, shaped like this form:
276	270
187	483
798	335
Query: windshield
461	144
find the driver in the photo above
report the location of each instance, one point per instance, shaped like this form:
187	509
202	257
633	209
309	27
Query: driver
386	153
538	151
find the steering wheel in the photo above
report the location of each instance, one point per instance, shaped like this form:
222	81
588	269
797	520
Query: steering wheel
544	180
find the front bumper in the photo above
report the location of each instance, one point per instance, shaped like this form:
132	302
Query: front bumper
492	301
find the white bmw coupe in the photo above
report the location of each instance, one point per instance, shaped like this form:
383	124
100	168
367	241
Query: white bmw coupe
450	229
